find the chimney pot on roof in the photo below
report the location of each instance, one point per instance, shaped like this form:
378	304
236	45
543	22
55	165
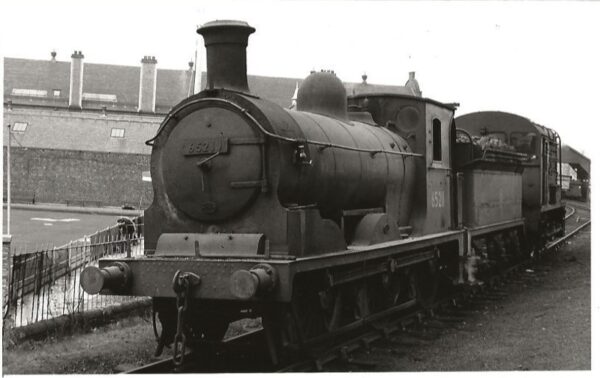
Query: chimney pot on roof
226	43
76	82
147	94
413	84
149	59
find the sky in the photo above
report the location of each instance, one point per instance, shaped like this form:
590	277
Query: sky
536	59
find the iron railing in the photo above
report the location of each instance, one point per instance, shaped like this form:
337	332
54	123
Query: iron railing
45	283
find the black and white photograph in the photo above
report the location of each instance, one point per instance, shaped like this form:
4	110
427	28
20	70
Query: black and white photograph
203	186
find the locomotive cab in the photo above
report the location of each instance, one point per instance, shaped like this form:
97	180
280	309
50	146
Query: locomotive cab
428	127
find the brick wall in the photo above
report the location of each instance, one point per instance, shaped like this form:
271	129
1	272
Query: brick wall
78	177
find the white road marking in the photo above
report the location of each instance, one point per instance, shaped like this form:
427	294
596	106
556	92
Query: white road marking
55	220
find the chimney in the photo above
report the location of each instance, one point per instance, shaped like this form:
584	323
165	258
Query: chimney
190	76
226	43
295	98
147	97
413	84
76	85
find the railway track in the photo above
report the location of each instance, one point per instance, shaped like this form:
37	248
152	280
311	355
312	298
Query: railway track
232	354
408	326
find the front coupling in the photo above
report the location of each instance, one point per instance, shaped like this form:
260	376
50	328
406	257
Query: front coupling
246	284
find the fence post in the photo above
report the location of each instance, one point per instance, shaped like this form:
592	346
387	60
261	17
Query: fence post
6	268
7	277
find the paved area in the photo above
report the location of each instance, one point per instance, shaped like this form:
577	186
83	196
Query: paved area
35	226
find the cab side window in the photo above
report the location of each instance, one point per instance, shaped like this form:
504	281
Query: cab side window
437	140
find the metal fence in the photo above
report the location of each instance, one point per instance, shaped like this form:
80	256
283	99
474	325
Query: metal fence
45	284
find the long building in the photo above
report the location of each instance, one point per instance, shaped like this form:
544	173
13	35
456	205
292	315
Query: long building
77	129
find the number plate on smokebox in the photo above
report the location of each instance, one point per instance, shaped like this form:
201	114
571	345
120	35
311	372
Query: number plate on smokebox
205	146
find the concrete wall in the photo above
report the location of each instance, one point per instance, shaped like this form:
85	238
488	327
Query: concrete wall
78	177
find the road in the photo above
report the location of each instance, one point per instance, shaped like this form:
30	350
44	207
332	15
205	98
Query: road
31	228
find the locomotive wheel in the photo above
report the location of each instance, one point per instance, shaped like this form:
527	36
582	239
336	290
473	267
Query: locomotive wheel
362	301
392	289
315	312
517	253
331	304
425	278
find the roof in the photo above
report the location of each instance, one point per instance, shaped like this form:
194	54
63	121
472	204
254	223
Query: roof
576	159
107	79
49	75
499	121
81	131
367	88
281	90
123	82
172	86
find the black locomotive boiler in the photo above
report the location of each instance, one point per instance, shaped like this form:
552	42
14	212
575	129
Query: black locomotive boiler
316	218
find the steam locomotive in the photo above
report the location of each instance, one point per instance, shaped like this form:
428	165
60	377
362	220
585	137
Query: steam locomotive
317	218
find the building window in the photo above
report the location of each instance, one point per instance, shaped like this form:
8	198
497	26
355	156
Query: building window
19	127
29	92
56	92
102	97
117	133
437	140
